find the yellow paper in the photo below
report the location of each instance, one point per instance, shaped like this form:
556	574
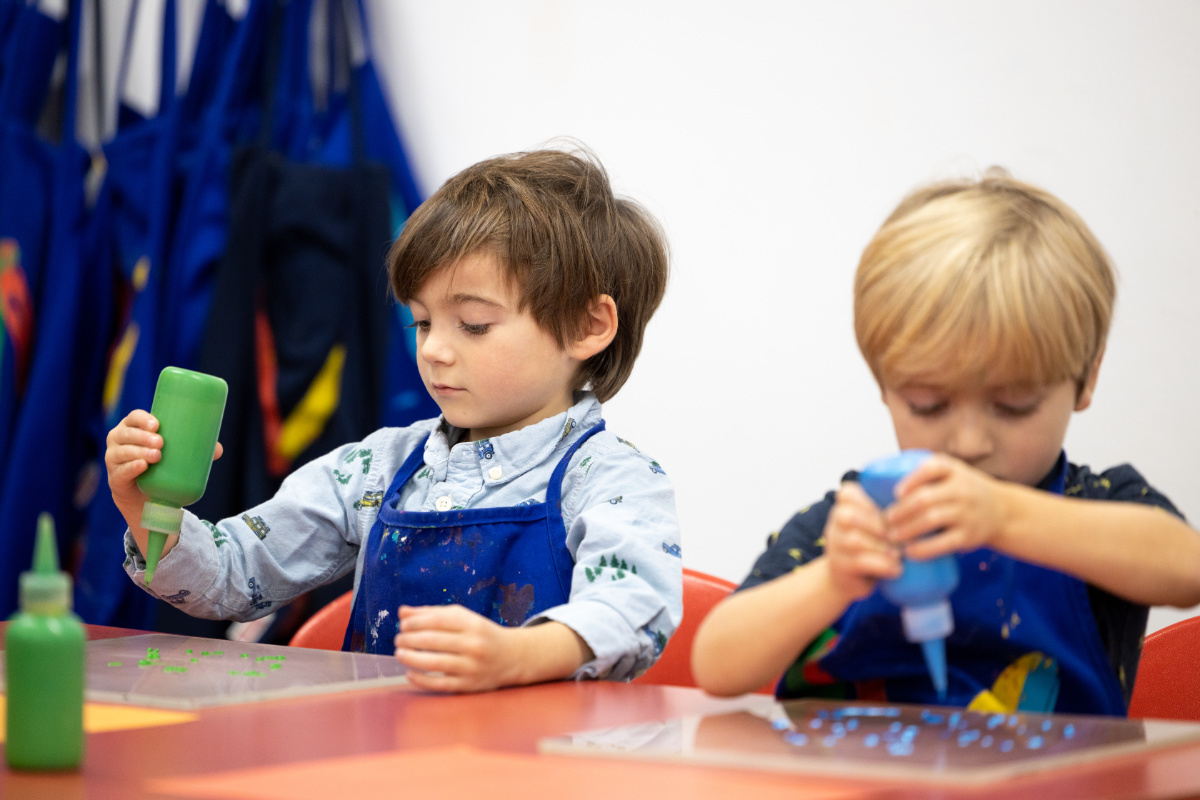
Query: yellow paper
100	717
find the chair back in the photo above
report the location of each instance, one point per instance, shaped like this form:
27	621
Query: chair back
326	629
700	593
1168	677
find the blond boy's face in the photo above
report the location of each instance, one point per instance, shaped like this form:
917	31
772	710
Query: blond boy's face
489	367
1008	429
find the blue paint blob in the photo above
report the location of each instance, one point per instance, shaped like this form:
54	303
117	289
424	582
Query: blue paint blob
995	721
871	739
895	726
798	739
986	741
932	718
1006	746
1035	742
815	724
780	724
830	741
1069	730
852	725
839	729
1047	725
900	748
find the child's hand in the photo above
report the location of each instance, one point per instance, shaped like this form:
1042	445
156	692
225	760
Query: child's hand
856	544
132	447
967	507
453	649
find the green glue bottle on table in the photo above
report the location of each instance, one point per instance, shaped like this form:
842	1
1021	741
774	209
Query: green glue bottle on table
44	665
188	406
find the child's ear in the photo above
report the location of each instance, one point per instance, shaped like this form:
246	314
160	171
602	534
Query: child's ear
598	331
1089	387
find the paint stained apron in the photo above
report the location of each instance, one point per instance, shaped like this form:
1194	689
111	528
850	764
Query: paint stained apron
1006	613
508	563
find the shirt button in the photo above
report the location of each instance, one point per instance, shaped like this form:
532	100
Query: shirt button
495	473
443	503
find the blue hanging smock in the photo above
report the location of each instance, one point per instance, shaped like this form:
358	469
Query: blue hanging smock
506	563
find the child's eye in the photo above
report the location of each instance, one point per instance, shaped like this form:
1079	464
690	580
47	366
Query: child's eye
420	324
927	409
1015	411
475	330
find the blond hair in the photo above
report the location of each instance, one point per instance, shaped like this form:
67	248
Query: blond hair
563	239
982	276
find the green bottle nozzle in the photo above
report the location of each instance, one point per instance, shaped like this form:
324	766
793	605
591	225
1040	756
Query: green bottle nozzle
161	520
45	589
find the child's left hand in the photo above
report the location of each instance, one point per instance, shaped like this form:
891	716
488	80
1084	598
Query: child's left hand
967	507
453	649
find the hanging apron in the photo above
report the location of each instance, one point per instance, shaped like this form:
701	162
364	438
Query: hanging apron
44	454
298	321
507	564
1020	630
139	189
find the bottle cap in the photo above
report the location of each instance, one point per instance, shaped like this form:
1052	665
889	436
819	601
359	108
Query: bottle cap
45	589
923	623
161	517
879	478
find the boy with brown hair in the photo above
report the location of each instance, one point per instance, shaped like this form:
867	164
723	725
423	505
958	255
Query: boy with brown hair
512	539
982	308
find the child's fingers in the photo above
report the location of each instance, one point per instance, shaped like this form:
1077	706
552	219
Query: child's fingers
432	641
127	454
431	661
932	470
141	418
218	451
444	618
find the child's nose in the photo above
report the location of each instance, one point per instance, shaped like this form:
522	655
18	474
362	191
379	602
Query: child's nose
434	348
970	439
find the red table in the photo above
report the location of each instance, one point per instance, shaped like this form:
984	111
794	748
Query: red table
420	745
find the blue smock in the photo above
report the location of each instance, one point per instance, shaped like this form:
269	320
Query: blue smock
1005	610
507	564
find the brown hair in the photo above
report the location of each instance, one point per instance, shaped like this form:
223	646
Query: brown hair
972	275
563	238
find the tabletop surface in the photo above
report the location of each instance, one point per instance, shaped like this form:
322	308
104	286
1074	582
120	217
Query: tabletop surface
395	740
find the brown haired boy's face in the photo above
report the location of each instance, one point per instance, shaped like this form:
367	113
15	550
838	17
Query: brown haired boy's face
1010	430
489	366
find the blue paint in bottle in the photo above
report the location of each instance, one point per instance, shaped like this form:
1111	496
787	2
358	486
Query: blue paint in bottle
922	591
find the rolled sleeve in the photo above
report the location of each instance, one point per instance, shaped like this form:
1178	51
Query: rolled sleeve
626	595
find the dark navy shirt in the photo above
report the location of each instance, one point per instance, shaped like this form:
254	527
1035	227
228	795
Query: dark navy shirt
1121	623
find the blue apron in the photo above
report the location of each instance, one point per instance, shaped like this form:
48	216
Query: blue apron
1005	610
507	563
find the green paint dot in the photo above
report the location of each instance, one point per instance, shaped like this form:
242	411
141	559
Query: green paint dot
218	652
276	666
195	659
114	663
145	662
233	672
187	651
175	669
245	655
203	652
250	673
261	658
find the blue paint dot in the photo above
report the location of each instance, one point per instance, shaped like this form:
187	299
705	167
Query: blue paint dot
830	741
900	748
852	725
780	724
954	719
1047	725
838	729
1069	730
995	721
798	739
932	718
1006	746
986	741
1013	720
815	724
871	739
895	726
1034	742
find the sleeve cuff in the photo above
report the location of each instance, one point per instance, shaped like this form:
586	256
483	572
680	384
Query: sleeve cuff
616	656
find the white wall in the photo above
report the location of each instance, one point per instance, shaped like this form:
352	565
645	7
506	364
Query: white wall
771	138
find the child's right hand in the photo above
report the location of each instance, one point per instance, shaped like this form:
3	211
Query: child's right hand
856	544
132	446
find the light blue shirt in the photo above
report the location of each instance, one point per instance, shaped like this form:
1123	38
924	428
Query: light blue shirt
618	509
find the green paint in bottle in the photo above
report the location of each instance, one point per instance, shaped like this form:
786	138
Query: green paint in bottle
188	406
44	665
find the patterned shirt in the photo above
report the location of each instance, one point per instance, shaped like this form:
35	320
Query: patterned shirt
618	508
1121	623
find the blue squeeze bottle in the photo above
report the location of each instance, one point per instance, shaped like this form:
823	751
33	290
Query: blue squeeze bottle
923	589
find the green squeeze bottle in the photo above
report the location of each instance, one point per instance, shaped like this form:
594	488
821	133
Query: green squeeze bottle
43	666
188	406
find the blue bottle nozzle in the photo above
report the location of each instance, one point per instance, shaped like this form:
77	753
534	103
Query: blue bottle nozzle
923	589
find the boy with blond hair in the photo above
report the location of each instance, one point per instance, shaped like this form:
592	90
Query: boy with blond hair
982	308
512	539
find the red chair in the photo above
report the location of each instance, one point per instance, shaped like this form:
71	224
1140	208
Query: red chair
700	593
326	629
1168	677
